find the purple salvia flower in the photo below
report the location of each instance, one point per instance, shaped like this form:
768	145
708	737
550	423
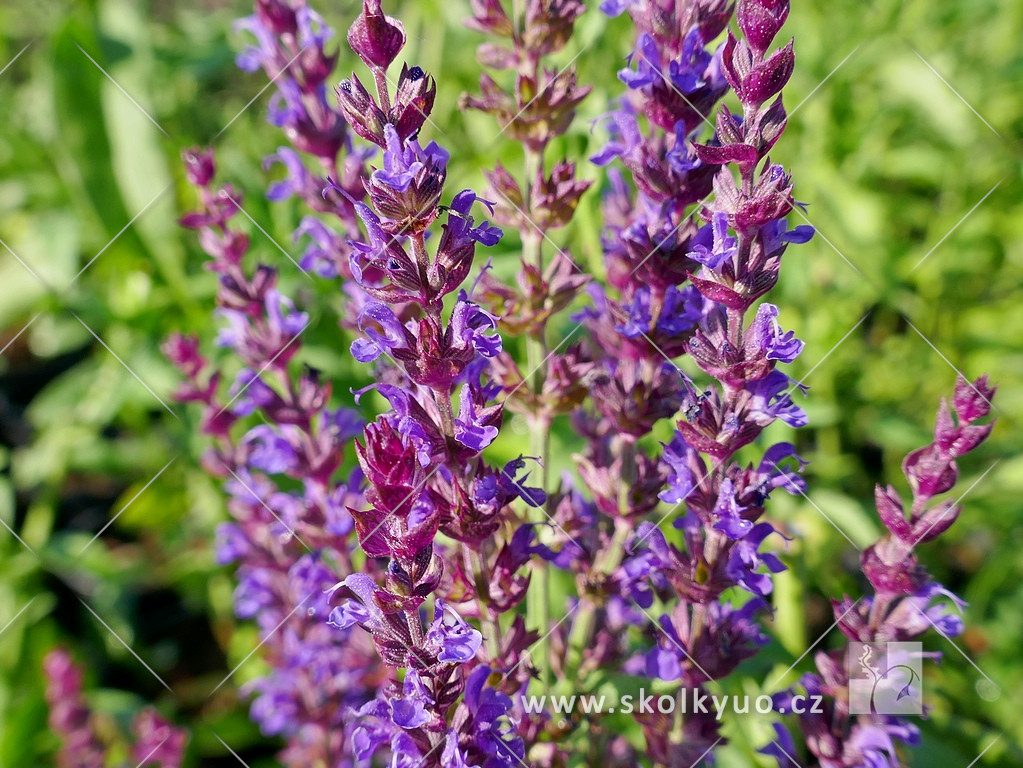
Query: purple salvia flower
676	287
451	638
907	603
302	439
69	715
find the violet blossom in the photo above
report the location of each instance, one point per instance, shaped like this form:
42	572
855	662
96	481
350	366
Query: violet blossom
423	573
676	286
286	541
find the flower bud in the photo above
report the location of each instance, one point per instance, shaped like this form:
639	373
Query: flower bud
892	568
755	82
488	17
413	101
768	78
199	166
361	111
889	509
555	197
277	16
376	38
930	471
760	21
549	25
316	65
972	401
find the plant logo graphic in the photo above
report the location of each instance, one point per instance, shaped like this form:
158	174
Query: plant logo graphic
885	678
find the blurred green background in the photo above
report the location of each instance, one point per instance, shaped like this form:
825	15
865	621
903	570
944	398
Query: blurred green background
913	183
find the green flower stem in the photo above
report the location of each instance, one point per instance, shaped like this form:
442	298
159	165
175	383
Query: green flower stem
538	598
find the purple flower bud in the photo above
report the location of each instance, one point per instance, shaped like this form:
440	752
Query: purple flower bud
744	561
889	509
930	471
199	166
453	757
776	235
157	741
282	317
760	21
277	16
769	401
394	336
934	521
892	569
682	461
647	58
616	7
361	110
469	327
729	513
298	178
488	17
413	101
485	233
265	50
555	198
782	746
769	77
770	474
485	714
723	247
754	82
326	250
548	25
232	544
376	38
348	614
743	155
768	339
408	187
250	392
972	401
256	592
471	425
376	611
269	451
383	255
410	710
70	718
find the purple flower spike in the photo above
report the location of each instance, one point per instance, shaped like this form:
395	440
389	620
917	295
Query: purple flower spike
693	234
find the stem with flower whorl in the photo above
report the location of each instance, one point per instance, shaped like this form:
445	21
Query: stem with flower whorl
422	461
538	598
706	320
303	438
906	603
291	42
543	30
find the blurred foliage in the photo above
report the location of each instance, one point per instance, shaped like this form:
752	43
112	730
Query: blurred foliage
914	186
